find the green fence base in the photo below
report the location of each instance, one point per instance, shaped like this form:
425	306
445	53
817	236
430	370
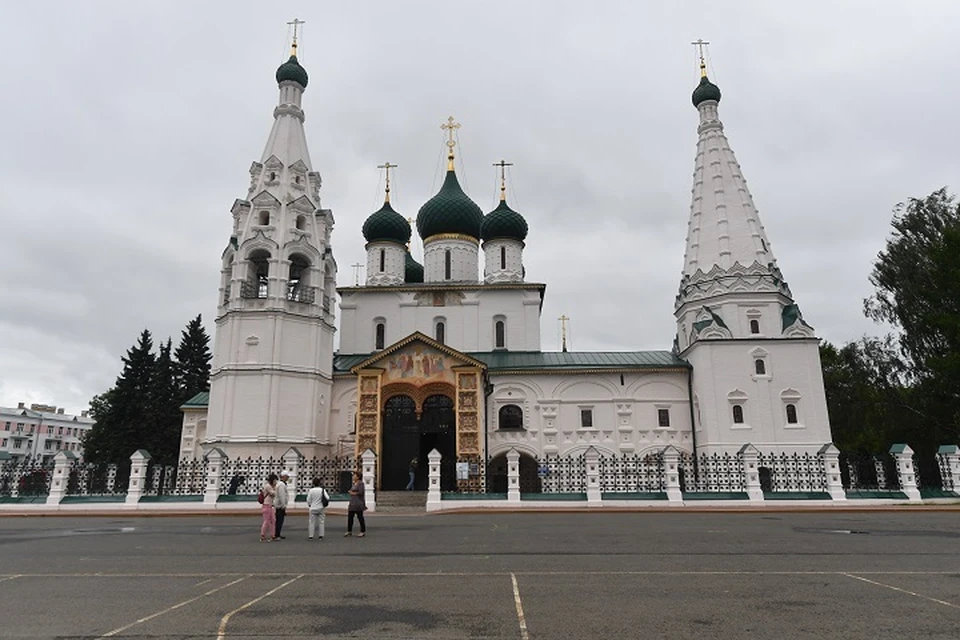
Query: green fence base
715	495
634	495
472	496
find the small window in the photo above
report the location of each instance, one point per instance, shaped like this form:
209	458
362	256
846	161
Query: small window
264	218
763	243
503	257
737	414
447	265
586	418
791	414
383	260
663	417
500	338
754	326
510	417
760	367
381	331
273	176
301	222
440	333
296	179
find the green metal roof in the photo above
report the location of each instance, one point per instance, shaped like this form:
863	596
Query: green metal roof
706	90
504	222
554	361
386	225
291	70
202	399
450	211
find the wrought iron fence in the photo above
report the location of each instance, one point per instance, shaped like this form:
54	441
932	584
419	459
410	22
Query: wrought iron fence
943	469
335	473
711	473
98	479
789	472
245	476
27	476
630	473
860	472
562	474
464	474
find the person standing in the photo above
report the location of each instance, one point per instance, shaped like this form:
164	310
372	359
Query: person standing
269	492
317	501
414	463
280	504
356	507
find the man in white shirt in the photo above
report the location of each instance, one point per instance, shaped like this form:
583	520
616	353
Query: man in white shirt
280	504
317	500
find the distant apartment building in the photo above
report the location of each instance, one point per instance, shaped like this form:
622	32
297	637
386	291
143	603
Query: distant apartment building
41	431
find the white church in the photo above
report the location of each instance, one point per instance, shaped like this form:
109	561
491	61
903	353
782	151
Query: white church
446	354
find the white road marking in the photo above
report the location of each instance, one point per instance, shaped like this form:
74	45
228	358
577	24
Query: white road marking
222	630
516	598
173	608
204	582
912	593
10	578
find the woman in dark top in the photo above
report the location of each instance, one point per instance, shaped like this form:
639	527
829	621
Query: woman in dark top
357	506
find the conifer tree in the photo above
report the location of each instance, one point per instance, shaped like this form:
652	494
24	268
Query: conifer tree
163	418
193	360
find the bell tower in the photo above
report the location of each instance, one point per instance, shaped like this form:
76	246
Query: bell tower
273	348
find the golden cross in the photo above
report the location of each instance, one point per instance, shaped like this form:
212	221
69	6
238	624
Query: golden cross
296	22
356	273
563	330
503	177
387	166
699	44
451	127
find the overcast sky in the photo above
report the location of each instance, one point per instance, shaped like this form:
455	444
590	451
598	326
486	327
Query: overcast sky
128	129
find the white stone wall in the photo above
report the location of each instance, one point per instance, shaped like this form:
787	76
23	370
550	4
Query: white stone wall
394	263
464	259
494	268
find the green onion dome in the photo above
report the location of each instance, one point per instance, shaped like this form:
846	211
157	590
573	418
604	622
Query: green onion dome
450	211
503	222
413	270
291	70
706	90
386	225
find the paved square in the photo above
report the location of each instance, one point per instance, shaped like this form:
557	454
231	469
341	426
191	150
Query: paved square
650	575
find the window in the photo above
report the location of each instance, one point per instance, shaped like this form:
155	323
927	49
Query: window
791	414
264	218
59	431
500	338
17	443
273	176
447	265
6	427
503	257
47	445
510	417
586	418
737	414
760	367
381	331
754	326
301	222
440	333
4	443
763	243
49	431
383	259
663	417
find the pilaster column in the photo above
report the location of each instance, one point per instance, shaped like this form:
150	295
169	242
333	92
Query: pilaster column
138	476
592	461
908	477
369	459
61	476
831	470
671	474
433	486
211	490
513	476
751	472
291	463
948	458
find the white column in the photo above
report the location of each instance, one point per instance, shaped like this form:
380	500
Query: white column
950	467
592	460
138	476
671	473
61	476
908	477
291	464
215	459
370	478
513	476
831	469
433	488
751	472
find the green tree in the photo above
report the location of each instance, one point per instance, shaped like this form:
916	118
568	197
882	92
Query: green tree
163	419
193	360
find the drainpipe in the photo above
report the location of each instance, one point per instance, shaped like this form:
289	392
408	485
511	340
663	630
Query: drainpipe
693	422
487	391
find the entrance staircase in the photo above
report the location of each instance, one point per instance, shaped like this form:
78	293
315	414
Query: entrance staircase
401	502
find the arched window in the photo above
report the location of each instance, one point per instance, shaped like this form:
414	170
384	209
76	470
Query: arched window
273	176
383	259
258	275
754	326
791	414
440	333
503	257
500	337
301	222
264	218
297	289
760	367
510	417
447	265
737	414
380	335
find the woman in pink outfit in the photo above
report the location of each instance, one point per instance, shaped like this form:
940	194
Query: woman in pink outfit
269	518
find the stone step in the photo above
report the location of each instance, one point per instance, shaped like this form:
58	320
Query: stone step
402	499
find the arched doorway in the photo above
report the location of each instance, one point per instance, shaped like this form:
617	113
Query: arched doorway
497	474
405	437
437	431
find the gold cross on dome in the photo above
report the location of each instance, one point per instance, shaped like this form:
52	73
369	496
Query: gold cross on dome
296	22
451	127
700	43
386	166
503	164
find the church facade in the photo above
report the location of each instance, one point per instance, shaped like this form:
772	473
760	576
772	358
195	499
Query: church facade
446	354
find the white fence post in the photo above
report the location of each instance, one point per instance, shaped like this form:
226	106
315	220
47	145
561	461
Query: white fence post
291	464
215	459
433	486
370	479
905	471
61	476
671	473
751	472
592	461
949	464
138	476
831	470
513	476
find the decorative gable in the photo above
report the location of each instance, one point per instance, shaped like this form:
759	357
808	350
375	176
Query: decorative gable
417	356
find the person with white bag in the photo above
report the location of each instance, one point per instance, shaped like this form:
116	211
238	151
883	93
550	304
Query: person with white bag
317	501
